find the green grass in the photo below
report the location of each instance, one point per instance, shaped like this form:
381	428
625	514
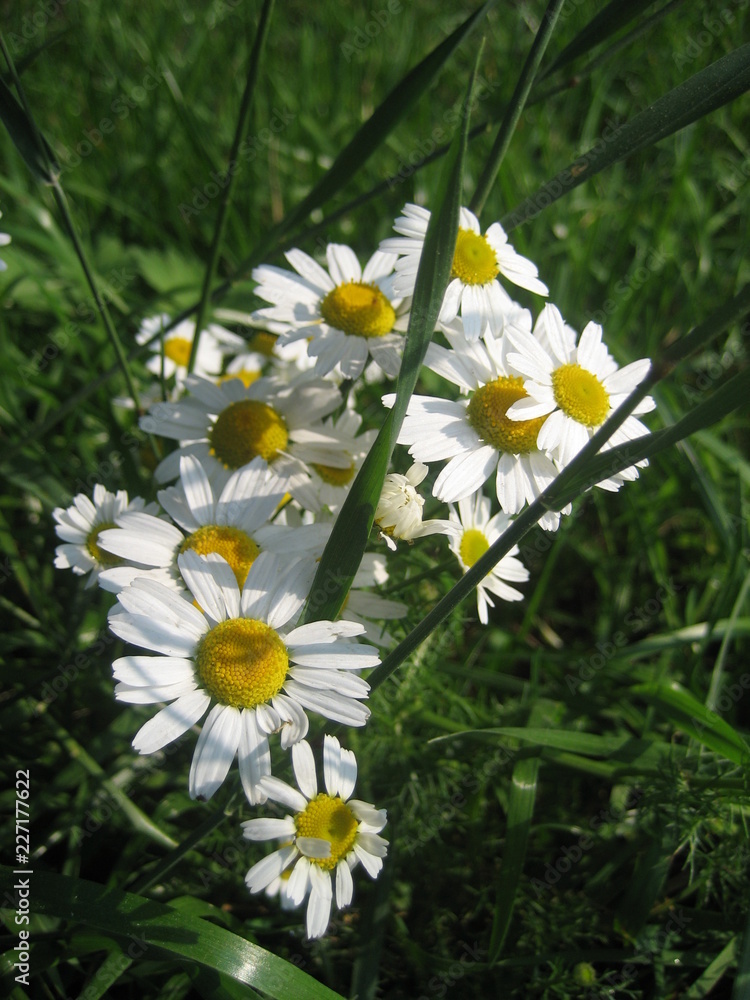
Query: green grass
632	871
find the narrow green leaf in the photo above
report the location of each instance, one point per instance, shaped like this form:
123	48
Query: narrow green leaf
163	928
351	530
741	989
724	961
712	87
620	748
693	718
24	136
643	889
520	811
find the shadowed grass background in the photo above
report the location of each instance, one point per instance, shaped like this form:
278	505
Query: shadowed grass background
636	856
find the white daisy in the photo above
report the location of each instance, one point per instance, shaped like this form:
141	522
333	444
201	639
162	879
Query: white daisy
349	314
574	389
228	425
238	656
478	259
474	433
81	524
234	525
215	342
477	531
399	510
328	835
327	486
263	346
368	608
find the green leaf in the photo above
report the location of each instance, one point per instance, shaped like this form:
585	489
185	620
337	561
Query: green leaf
643	889
724	961
693	718
24	135
161	927
712	87
351	530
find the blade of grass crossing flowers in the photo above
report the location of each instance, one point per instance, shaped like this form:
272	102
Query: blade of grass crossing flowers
516	105
231	175
166	929
692	717
350	533
711	88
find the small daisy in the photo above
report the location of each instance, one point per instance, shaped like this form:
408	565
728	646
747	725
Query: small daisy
233	524
328	486
81	524
477	531
228	425
328	835
478	259
349	315
574	389
474	433
263	345
214	344
399	510
238	656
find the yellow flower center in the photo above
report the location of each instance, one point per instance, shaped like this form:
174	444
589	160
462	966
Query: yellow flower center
359	309
103	557
245	375
580	395
474	260
334	476
237	547
486	412
242	662
328	819
473	545
245	430
177	349
263	342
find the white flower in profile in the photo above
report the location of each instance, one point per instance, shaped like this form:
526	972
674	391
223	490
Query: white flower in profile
348	314
81	524
477	531
474	434
226	426
474	291
399	510
233	522
574	389
327	836
237	656
172	359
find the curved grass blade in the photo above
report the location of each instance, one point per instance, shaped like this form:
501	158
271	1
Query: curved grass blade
644	888
24	136
168	930
711	88
350	533
693	718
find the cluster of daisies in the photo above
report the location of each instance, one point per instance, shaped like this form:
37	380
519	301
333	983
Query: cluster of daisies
212	579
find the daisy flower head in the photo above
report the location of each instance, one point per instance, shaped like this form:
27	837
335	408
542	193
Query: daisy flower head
81	524
348	314
477	531
232	522
399	510
327	486
237	656
215	342
474	290
573	388
262	351
474	433
226	426
327	836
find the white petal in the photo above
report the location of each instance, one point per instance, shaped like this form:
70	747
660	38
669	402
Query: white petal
303	763
344	885
212	583
262	874
268	829
339	768
171	722
254	758
319	904
279	791
216	748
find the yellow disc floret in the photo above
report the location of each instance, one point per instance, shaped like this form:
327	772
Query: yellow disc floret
473	545
234	545
328	819
474	260
580	395
263	342
246	375
102	557
359	309
246	430
177	349
333	476
486	413
242	662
